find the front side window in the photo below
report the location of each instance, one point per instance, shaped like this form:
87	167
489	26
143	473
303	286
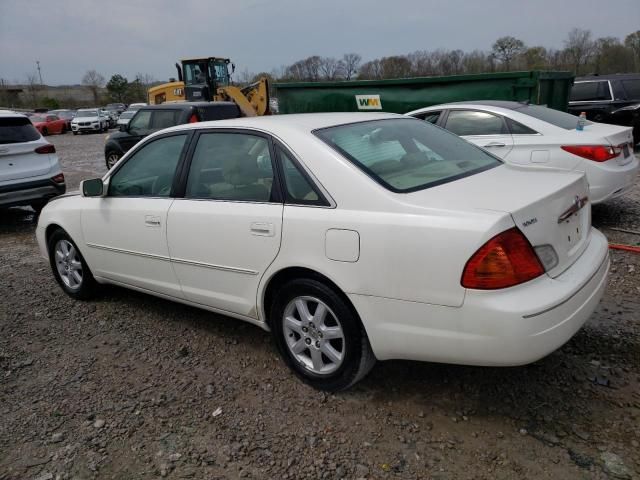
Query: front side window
140	124
149	172
406	155
472	122
231	166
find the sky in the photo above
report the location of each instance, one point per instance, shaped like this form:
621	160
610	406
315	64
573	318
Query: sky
69	37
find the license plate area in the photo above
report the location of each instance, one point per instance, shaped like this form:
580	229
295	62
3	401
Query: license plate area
572	230
626	155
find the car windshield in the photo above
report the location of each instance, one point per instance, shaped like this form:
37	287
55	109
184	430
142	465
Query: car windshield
405	155
549	115
38	118
86	113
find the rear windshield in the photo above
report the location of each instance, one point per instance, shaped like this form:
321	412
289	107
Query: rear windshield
549	115
17	130
405	155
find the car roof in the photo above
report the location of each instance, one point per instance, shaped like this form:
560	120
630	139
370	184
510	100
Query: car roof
305	122
185	105
490	103
11	113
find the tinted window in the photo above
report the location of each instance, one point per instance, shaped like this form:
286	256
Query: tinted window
17	130
231	166
519	129
590	91
549	115
431	117
299	187
471	122
141	123
632	87
405	155
150	171
164	119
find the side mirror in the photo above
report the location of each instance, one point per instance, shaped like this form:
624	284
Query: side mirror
92	188
123	127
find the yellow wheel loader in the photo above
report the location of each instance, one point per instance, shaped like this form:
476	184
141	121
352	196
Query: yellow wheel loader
209	79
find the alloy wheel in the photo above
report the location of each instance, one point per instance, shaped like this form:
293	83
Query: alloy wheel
68	264
314	335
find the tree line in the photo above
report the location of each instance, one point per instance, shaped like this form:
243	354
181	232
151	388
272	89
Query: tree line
581	54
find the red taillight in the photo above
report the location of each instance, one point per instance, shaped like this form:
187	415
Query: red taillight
48	148
506	260
193	119
597	153
58	178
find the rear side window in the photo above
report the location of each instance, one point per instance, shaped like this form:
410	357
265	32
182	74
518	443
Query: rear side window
431	117
17	130
164	119
299	189
231	166
590	91
473	122
632	87
405	155
549	115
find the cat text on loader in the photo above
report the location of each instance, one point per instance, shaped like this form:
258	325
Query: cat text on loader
208	79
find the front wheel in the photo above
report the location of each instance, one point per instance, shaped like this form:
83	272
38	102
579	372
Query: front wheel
320	336
69	267
45	132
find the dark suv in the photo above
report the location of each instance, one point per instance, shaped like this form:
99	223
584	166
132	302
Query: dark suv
608	99
152	118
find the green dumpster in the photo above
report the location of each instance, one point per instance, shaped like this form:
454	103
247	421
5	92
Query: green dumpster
406	94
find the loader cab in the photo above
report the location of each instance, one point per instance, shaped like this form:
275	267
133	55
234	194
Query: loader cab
203	77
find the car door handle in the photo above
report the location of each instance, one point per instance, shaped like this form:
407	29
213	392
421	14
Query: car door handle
262	229
151	221
495	145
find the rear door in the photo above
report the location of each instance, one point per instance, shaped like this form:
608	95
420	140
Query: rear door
18	159
226	230
487	130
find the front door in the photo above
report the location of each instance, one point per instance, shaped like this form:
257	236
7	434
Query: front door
126	231
226	230
484	129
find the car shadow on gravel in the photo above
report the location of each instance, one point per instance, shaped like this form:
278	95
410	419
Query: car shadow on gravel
17	220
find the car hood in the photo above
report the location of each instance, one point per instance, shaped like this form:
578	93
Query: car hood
86	119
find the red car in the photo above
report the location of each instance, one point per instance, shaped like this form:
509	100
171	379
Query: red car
47	124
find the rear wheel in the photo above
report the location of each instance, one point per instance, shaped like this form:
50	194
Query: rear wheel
63	130
69	267
319	336
45	132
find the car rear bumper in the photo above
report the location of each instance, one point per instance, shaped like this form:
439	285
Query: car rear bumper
514	326
26	193
607	182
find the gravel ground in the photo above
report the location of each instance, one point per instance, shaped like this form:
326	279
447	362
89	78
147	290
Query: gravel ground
131	386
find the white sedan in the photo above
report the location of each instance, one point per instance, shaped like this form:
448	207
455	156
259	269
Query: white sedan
541	137
351	236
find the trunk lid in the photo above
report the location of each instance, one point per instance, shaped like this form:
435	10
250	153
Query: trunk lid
549	207
19	160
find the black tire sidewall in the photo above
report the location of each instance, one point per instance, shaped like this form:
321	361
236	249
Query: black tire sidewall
351	327
87	289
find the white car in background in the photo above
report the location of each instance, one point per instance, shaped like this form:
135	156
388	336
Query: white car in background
89	120
30	172
351	236
536	136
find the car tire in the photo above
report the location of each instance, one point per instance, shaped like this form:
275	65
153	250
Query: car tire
111	158
74	132
63	130
69	267
45	132
319	335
